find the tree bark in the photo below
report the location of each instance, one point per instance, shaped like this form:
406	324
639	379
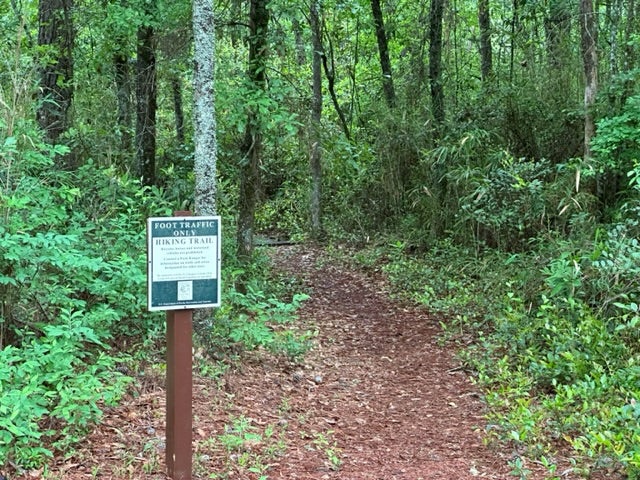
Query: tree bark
588	35
251	150
383	49
301	55
515	21
330	73
315	151
630	55
123	95
417	49
146	98
204	117
56	35
435	61
178	111
486	50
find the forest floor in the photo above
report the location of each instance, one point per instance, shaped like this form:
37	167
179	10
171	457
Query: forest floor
378	397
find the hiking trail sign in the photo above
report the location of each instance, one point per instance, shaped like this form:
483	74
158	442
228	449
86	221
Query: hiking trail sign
183	255
183	269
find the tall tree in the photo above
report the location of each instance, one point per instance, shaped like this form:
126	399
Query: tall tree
486	50
172	46
315	155
435	60
383	50
56	35
122	76
251	150
204	117
588	35
146	104
630	54
558	26
301	55
515	25
178	110
329	64
416	49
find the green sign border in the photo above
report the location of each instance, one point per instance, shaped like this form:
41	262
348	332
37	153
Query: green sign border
205	292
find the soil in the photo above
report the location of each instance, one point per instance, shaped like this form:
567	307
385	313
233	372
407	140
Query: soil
379	397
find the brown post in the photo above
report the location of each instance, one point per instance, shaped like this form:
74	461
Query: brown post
179	394
179	391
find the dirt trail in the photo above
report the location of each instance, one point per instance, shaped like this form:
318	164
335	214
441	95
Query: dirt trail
377	398
398	404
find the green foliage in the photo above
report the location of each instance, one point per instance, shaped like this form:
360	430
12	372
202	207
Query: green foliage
258	319
616	146
351	192
507	200
72	281
43	270
558	355
57	378
249	448
506	176
323	441
560	367
285	213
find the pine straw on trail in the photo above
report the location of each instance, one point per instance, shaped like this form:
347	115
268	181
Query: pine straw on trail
377	398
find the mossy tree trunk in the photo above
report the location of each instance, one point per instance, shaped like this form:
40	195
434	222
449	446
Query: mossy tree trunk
204	116
589	35
315	142
251	150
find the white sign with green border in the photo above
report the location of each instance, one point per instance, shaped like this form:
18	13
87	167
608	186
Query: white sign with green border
183	262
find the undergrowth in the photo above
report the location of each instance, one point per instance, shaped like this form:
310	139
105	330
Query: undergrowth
259	312
73	298
72	283
550	335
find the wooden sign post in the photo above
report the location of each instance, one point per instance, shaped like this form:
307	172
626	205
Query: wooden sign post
183	268
179	394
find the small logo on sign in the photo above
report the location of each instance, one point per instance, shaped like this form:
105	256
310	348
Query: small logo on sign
185	291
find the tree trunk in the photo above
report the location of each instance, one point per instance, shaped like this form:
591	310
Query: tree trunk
614	14
559	79
435	61
301	55
178	111
146	105
418	69
383	48
56	36
486	50
252	146
123	96
330	72
436	13
630	55
588	34
315	151
204	117
515	20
